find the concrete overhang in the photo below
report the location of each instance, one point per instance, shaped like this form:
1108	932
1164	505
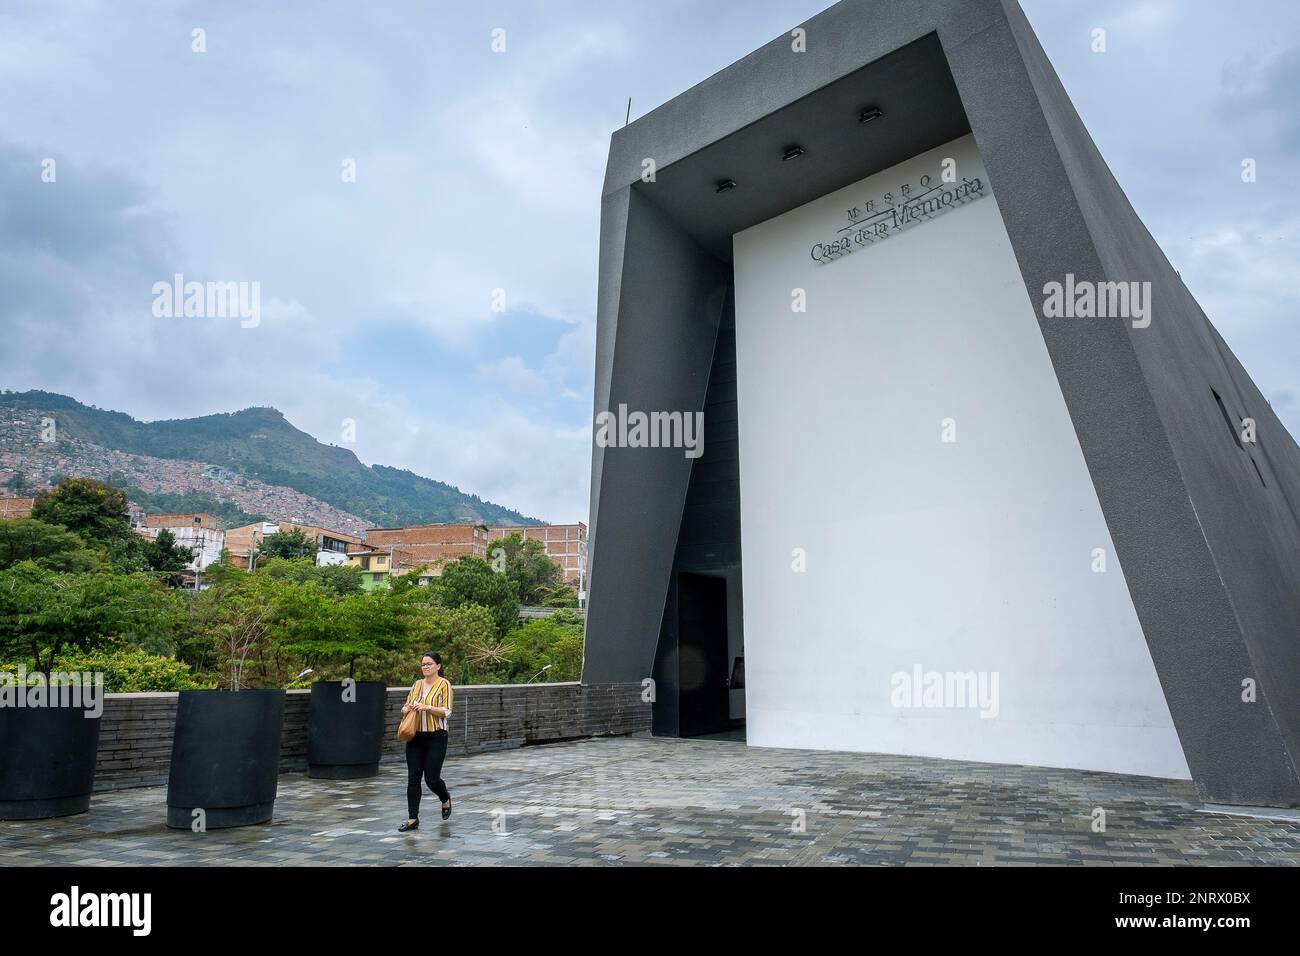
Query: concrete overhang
920	109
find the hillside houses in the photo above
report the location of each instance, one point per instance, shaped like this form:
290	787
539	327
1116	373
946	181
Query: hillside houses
379	553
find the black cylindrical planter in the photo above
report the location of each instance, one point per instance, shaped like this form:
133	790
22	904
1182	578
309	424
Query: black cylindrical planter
47	761
225	757
345	736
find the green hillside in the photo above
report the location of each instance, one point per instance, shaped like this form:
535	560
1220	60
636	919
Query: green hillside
260	443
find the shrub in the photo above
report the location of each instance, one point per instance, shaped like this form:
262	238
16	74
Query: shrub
46	615
562	595
466	639
542	642
124	671
470	580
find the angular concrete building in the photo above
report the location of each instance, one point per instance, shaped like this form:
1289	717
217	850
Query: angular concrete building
910	439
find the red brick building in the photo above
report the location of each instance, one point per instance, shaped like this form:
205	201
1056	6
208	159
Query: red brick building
181	521
16	507
429	544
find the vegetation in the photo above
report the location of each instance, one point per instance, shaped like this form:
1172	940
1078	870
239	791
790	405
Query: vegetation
293	543
471	580
323	630
49	546
91	595
342	579
525	564
44	613
124	671
166	558
95	511
20	486
546	649
564	595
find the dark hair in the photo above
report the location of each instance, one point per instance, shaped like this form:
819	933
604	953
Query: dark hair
437	661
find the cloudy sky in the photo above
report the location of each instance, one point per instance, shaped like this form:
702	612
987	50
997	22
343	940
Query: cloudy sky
478	171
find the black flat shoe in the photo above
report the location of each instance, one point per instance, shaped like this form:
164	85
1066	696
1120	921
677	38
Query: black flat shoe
446	811
409	826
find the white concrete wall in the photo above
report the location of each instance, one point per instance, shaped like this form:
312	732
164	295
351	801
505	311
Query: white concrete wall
207	544
971	556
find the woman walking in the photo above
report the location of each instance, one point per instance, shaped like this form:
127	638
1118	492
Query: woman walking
431	696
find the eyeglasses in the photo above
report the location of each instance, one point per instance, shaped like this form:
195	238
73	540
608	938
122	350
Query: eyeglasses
430	664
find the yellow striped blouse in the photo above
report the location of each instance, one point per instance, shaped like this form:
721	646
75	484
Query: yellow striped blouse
439	696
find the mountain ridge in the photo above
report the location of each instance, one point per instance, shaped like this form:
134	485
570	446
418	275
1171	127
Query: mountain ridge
259	443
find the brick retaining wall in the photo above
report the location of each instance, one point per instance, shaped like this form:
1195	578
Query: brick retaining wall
135	738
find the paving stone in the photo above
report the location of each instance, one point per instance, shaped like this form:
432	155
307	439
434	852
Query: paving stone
647	801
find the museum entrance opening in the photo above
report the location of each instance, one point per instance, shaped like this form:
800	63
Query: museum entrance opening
704	666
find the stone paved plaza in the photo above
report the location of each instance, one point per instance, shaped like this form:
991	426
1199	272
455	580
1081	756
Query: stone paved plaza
643	800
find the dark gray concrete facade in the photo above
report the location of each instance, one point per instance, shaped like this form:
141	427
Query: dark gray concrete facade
1207	529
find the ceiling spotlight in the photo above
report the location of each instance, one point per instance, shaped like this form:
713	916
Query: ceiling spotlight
791	152
725	184
871	113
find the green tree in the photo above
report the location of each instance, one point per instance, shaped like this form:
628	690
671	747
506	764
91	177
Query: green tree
43	612
546	650
50	546
531	573
321	629
196	639
567	658
95	511
20	486
293	543
571	619
263	629
223	570
165	558
471	580
242	616
341	579
467	639
569	648
562	595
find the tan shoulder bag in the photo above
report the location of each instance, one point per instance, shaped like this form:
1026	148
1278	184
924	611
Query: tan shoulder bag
410	721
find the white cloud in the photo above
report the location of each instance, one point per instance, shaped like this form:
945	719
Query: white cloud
1144	18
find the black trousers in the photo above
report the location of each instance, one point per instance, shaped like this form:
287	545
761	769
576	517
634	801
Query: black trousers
424	755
